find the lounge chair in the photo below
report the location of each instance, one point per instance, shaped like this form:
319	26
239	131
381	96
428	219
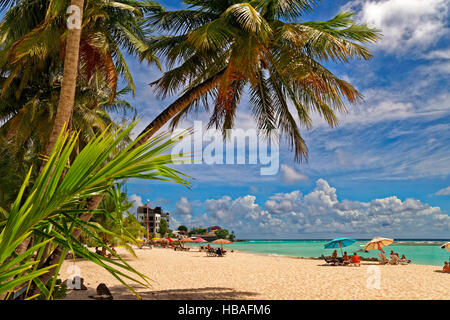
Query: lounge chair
211	253
383	259
395	259
330	260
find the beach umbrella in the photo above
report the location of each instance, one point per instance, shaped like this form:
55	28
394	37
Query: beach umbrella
200	240
446	246
170	240
186	240
378	243
339	243
221	242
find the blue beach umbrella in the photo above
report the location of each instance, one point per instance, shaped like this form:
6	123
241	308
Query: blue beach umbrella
339	243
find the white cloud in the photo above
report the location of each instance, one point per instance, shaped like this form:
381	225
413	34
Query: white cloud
444	192
184	207
320	212
438	54
136	201
290	175
407	25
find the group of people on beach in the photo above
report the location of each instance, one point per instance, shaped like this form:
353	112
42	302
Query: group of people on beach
354	259
218	251
346	260
402	259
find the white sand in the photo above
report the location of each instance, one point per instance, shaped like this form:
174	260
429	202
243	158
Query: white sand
239	275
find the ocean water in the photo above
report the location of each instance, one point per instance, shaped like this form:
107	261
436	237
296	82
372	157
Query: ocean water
426	252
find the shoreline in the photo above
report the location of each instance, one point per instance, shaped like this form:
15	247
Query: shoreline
244	275
319	258
362	258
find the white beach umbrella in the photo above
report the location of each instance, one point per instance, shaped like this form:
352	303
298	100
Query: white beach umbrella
378	243
446	246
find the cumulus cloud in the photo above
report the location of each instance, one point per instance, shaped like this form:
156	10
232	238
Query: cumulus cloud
407	25
136	201
290	175
184	207
444	192
321	213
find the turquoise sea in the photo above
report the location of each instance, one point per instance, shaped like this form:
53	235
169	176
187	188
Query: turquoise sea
426	252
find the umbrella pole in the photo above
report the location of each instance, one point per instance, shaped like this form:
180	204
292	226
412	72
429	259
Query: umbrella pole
340	246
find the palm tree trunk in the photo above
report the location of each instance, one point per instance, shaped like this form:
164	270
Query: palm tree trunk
69	82
68	86
67	94
178	105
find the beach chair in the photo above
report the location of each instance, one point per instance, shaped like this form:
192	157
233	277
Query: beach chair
330	260
383	259
211	253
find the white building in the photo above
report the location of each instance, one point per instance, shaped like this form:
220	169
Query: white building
154	218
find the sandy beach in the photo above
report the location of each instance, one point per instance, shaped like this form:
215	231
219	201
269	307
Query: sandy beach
239	275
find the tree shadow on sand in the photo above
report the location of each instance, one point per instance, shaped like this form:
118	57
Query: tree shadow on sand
208	293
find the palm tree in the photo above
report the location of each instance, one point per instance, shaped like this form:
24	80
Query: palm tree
31	33
34	37
221	46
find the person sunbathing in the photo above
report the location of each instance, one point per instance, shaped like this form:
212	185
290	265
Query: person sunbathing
394	253
334	256
355	259
446	267
403	259
346	259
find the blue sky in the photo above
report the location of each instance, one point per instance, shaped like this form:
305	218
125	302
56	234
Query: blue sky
384	171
